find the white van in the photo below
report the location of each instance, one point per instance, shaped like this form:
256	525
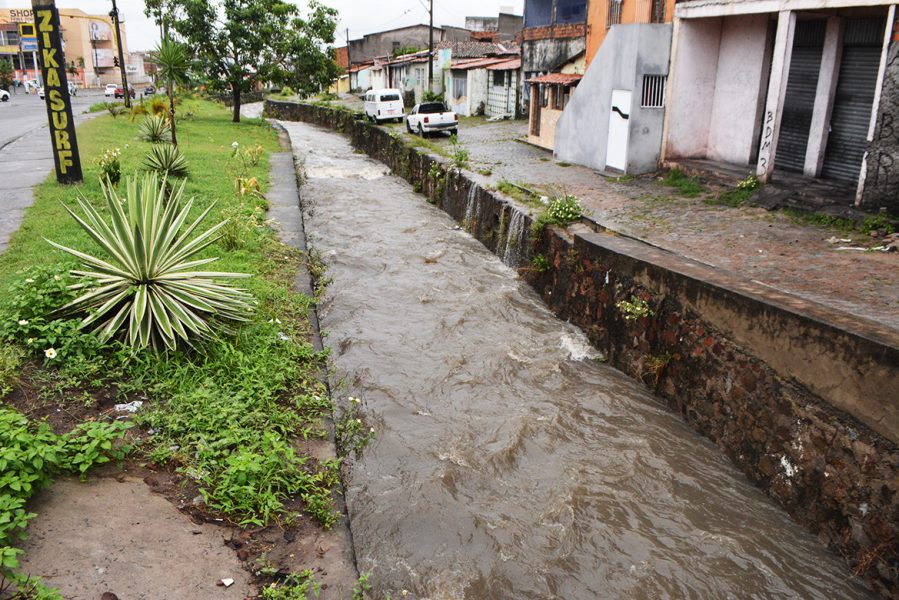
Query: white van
383	105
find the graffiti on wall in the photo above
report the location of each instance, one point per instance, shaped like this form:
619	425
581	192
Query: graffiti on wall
882	177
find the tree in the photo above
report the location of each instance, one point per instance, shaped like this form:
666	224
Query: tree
5	73
241	43
171	66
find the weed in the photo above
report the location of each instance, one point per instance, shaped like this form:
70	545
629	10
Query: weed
625	178
686	186
656	365
10	360
485	172
635	308
362	586
350	431
110	167
295	586
540	264
563	164
458	153
115	108
878	223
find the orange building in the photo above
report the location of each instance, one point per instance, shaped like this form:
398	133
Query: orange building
603	14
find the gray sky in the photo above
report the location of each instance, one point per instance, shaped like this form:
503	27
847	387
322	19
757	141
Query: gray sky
360	16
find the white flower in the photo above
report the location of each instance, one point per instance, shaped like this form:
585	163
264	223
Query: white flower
23	322
50	353
30	341
29	280
126	145
56	277
234	144
372	430
405	593
359	421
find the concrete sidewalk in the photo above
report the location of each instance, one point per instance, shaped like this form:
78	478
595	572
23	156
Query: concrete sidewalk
769	248
24	163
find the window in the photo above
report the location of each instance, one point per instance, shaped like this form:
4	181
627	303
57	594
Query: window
396	46
390	97
614	15
658	11
653	91
544	95
460	85
558	99
499	79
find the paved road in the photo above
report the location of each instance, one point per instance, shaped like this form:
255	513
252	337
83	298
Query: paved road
25	153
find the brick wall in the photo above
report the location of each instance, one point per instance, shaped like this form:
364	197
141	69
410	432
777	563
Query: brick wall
566	31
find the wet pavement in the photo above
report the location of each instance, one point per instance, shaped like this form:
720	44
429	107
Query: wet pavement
26	156
508	463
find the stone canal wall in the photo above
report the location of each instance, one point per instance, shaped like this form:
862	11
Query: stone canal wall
805	400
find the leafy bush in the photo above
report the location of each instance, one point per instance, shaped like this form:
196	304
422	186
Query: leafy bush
155	129
148	286
10	359
167	161
26	316
158	107
137	110
430	96
110	167
565	210
635	308
115	108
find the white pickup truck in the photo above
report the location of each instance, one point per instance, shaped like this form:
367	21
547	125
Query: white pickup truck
429	117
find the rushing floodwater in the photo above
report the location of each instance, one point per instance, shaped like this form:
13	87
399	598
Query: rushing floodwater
508	464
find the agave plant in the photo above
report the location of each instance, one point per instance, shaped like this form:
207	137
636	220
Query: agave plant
167	161
149	286
155	129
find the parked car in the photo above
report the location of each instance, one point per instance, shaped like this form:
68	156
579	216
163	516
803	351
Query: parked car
384	105
120	92
429	117
149	90
110	89
4	95
73	89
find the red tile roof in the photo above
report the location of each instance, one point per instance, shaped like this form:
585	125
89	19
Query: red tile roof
557	78
507	65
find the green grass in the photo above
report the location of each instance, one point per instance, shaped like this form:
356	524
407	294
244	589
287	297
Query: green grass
229	415
733	197
686	186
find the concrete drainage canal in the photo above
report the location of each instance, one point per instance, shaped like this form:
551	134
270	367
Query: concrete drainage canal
509	463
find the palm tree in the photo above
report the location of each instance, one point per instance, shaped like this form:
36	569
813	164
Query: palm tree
172	64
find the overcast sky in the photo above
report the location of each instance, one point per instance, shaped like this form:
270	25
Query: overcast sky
360	16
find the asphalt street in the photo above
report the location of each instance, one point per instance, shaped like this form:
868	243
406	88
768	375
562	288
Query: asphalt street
26	156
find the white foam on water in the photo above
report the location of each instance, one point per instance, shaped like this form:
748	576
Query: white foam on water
578	347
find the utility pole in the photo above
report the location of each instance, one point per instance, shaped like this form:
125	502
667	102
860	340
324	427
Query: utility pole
431	49
114	13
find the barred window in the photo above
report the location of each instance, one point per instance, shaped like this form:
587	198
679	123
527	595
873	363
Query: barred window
614	15
460	85
653	91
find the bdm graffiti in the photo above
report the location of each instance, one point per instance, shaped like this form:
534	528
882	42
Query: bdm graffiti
56	92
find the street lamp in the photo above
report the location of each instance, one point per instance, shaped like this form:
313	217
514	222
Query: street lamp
114	13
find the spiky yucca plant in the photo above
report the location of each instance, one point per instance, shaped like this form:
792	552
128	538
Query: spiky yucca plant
149	286
167	161
155	129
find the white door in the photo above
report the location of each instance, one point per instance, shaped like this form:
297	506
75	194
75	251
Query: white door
619	126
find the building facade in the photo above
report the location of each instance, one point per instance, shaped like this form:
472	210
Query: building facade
88	41
387	43
555	32
789	87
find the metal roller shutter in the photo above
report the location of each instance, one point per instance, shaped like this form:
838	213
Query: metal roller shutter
851	116
799	101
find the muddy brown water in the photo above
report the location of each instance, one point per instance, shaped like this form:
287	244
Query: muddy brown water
509	464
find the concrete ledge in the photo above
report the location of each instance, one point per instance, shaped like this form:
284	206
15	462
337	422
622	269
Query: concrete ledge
801	397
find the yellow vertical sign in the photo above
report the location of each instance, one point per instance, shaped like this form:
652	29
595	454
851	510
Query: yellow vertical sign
56	92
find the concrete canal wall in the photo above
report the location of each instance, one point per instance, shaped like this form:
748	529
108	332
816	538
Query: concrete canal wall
804	399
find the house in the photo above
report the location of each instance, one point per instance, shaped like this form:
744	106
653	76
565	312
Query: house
549	95
614	121
789	87
475	71
554	34
387	43
503	28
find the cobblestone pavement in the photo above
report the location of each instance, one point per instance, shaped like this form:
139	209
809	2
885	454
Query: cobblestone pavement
768	247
